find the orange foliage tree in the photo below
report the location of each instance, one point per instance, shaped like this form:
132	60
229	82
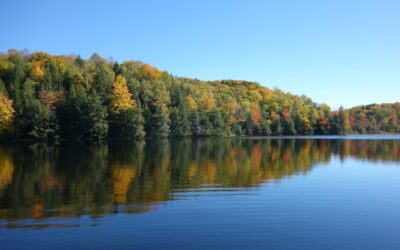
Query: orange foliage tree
150	72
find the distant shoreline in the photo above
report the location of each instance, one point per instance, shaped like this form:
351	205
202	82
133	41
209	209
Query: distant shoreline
390	136
48	97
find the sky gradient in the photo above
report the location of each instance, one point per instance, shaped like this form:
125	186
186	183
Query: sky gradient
337	52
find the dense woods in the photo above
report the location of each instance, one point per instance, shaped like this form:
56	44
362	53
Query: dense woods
50	97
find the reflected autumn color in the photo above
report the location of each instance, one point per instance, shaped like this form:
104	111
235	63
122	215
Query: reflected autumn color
70	179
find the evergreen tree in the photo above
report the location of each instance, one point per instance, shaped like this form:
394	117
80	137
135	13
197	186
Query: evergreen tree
66	96
102	81
180	123
31	116
127	124
125	120
158	124
265	128
276	127
220	128
196	126
288	127
248	126
179	113
3	89
83	117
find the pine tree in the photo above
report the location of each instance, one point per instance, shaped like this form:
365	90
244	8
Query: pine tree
125	119
265	128
288	126
180	123
179	113
276	127
127	124
158	124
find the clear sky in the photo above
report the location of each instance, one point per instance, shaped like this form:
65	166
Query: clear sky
339	52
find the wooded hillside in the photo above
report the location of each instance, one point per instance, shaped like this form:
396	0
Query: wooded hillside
49	97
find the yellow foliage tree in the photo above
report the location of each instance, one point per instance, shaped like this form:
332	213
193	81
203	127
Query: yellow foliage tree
38	71
229	108
266	93
255	94
6	65
121	97
207	101
191	102
6	114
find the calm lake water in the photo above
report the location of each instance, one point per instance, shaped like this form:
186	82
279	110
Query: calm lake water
249	193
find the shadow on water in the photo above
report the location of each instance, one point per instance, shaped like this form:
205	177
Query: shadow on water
41	181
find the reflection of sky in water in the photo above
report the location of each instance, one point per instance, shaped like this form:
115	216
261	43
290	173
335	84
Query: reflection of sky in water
325	200
70	180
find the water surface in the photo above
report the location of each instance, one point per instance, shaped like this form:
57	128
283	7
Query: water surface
251	193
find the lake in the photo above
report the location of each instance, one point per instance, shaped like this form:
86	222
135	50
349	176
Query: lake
236	193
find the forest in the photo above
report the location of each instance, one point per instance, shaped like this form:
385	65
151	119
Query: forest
50	97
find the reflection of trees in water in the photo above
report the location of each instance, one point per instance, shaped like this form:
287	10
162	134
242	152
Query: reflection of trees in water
71	179
6	169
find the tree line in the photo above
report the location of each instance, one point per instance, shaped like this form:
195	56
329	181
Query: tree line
45	96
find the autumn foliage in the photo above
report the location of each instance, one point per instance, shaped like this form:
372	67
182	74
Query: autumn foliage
6	114
50	97
150	72
121	97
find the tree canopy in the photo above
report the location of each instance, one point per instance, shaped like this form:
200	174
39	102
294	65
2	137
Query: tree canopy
49	97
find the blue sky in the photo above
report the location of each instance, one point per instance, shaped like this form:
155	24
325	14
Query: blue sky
338	52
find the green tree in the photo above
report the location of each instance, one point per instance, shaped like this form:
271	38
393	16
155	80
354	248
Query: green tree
288	126
179	114
74	98
126	124
276	127
102	80
158	123
125	119
219	126
265	128
31	116
83	117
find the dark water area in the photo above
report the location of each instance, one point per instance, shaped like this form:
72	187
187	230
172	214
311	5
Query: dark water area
248	193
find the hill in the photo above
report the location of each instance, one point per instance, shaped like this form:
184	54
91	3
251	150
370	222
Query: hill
44	96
